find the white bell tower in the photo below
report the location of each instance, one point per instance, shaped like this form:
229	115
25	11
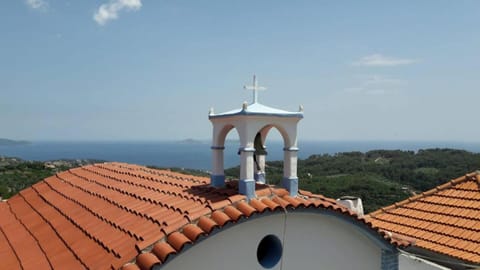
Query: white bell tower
253	122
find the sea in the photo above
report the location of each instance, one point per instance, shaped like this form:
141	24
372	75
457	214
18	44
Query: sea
197	154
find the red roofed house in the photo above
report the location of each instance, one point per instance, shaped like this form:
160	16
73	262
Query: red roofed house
122	216
444	222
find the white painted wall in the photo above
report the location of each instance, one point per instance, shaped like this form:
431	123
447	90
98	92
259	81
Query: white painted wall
316	241
410	262
311	241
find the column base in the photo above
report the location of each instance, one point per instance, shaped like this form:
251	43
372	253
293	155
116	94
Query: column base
291	184
247	188
217	180
260	177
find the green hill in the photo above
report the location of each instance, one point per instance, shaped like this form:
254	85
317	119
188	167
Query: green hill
17	174
379	177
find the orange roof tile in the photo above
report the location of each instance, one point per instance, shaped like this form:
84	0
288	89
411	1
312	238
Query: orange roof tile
445	219
116	215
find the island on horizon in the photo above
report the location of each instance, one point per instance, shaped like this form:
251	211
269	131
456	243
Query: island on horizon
4	141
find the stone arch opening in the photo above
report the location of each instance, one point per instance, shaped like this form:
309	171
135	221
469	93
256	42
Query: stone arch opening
261	152
218	153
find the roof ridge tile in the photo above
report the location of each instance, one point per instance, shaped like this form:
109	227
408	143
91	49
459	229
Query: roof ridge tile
220	218
233	212
178	240
147	261
163	250
207	224
245	208
192	232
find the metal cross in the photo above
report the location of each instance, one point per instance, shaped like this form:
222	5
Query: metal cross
255	88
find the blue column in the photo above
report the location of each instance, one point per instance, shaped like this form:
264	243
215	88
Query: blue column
290	179
246	185
217	177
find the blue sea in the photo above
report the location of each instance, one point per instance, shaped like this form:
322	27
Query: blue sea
198	155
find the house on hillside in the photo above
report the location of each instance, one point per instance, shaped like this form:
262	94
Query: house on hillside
129	217
444	222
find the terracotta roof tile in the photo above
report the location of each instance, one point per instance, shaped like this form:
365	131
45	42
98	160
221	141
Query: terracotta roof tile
245	208
220	218
130	266
445	219
178	240
192	232
146	261
116	215
233	212
162	250
207	224
258	205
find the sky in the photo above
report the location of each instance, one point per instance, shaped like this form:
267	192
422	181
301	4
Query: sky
152	69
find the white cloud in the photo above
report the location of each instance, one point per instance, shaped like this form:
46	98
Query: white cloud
378	60
375	85
376	92
109	11
381	80
37	4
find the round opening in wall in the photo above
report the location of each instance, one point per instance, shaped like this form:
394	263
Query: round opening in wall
269	251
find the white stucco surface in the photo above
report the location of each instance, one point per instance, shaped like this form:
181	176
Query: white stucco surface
310	241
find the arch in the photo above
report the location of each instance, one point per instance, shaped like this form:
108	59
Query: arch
220	132
220	135
266	129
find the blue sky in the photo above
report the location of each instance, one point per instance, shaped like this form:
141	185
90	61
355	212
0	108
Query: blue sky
150	70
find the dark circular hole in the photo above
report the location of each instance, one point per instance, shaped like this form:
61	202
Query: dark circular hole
269	251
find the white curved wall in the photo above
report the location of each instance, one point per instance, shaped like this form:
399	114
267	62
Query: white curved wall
311	241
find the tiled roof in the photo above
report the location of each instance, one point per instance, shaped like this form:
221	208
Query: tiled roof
115	215
444	220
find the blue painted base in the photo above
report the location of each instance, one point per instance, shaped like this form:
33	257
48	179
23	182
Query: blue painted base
217	180
247	188
260	177
389	260
291	184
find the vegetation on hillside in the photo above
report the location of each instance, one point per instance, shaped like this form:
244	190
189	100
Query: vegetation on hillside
17	174
379	177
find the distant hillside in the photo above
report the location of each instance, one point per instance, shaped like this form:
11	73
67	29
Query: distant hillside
12	142
17	174
192	141
379	177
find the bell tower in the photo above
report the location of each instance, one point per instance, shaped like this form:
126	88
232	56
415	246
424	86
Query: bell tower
253	122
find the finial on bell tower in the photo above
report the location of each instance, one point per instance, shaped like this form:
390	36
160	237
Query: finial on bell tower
255	88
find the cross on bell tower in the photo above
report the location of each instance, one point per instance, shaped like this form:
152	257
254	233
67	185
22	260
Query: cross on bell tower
253	123
255	89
